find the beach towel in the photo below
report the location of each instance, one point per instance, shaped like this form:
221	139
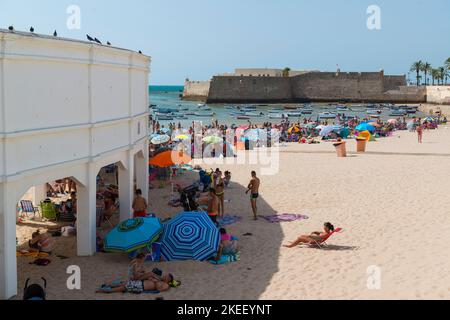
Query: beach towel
227	258
285	217
227	220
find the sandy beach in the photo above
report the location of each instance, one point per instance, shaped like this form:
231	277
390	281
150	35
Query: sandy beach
392	203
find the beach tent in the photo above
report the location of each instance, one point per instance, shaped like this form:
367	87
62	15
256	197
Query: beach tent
133	234
160	139
190	236
169	158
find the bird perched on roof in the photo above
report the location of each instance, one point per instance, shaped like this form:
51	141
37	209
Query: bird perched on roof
55	34
89	38
31	29
98	41
108	43
140	51
11	28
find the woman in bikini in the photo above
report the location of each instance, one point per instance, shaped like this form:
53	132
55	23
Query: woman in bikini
314	236
140	286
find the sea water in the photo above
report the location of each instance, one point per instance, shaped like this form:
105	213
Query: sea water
170	97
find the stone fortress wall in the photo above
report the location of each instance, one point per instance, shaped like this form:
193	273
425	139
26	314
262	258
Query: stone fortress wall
307	86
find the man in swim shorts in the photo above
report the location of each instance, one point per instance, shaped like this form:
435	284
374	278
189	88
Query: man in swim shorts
253	187
139	286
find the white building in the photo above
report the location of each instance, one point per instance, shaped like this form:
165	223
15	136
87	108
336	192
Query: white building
67	109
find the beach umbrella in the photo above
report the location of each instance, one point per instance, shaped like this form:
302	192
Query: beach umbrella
294	129
160	139
169	158
212	140
326	131
310	126
254	135
133	234
428	119
320	127
190	236
182	137
165	130
344	133
365	127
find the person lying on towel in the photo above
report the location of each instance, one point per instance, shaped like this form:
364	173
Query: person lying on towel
139	286
314	236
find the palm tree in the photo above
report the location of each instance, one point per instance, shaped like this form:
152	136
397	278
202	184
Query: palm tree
442	74
286	72
417	67
426	68
434	75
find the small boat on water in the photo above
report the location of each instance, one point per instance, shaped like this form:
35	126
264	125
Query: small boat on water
294	114
398	113
342	108
253	114
276	115
274	110
243	117
204	114
327	115
164	117
373	112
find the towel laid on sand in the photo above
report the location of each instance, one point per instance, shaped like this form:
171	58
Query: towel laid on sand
227	258
285	217
227	220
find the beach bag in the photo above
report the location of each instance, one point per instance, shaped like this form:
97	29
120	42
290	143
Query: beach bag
35	291
41	262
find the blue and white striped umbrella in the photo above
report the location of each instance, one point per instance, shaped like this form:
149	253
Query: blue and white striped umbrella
133	234
190	236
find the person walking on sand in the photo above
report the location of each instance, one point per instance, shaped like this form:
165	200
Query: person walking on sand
253	187
139	205
419	132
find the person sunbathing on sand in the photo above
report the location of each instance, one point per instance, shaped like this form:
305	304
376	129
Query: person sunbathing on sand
314	236
140	286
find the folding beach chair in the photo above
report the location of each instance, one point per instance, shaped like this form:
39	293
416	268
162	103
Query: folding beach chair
323	243
28	207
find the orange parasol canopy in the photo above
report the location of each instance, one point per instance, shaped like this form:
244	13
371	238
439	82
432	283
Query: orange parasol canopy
169	158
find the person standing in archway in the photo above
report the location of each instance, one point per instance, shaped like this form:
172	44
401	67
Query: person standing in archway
139	205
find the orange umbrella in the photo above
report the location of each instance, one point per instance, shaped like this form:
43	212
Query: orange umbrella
169	158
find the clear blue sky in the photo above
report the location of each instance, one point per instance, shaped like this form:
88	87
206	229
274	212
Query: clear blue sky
200	38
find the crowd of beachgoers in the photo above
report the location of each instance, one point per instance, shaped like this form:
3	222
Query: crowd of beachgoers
206	192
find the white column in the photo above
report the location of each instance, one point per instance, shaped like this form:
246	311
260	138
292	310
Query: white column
8	260
86	214
142	174
126	188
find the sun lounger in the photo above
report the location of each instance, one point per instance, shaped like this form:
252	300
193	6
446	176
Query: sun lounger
323	243
28	207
